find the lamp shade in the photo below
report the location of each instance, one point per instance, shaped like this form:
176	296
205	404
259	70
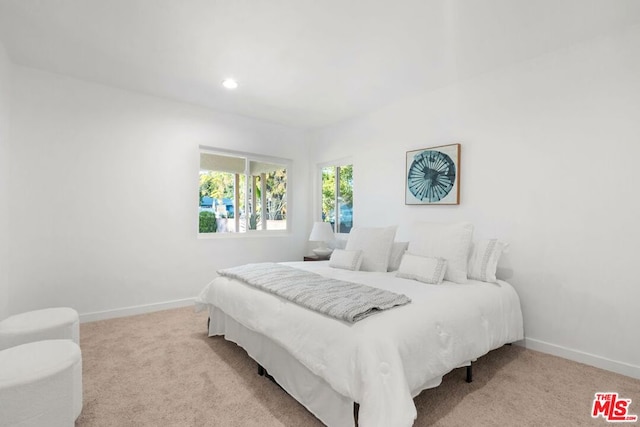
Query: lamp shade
321	232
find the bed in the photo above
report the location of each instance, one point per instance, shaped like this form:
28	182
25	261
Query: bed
379	363
452	310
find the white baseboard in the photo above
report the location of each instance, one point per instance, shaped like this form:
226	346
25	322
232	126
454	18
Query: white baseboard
138	309
579	356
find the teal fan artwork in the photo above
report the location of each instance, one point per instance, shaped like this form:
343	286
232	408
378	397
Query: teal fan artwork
431	176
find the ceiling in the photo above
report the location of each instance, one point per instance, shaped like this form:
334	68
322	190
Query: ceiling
300	63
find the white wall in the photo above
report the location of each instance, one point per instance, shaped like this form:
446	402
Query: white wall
5	95
549	163
104	195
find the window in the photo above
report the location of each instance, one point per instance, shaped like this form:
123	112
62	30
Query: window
337	191
241	192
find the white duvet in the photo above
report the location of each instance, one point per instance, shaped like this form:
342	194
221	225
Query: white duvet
385	360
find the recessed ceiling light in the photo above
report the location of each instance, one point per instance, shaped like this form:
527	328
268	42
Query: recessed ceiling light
230	83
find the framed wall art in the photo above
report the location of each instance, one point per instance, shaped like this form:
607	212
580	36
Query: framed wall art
433	176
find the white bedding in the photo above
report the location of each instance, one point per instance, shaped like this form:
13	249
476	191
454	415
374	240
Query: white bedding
385	360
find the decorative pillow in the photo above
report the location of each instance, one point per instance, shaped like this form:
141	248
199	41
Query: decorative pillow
397	250
347	260
483	259
423	269
375	244
448	241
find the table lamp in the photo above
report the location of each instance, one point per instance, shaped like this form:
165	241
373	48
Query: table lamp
323	233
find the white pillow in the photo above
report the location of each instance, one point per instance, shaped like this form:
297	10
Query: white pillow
397	250
448	241
483	259
375	244
423	269
339	243
347	260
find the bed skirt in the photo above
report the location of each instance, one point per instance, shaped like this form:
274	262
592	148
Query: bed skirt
308	389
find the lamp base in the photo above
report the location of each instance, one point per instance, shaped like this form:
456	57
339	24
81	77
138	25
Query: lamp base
322	252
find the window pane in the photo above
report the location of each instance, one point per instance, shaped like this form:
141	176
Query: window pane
276	199
255	202
340	195
269	196
345	198
240	220
219	184
216	201
329	194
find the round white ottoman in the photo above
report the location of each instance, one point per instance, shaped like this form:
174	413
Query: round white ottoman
41	384
38	325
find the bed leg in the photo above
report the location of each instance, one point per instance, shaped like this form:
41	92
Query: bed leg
356	410
260	370
469	374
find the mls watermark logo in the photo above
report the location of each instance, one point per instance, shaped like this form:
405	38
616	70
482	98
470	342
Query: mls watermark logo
612	408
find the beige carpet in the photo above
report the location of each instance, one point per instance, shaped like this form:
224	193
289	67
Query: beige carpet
160	369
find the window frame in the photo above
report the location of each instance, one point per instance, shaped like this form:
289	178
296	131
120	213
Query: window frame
248	158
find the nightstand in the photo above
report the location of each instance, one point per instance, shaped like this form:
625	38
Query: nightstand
315	258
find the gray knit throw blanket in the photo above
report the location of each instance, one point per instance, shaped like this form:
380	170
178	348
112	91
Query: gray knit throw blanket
336	298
